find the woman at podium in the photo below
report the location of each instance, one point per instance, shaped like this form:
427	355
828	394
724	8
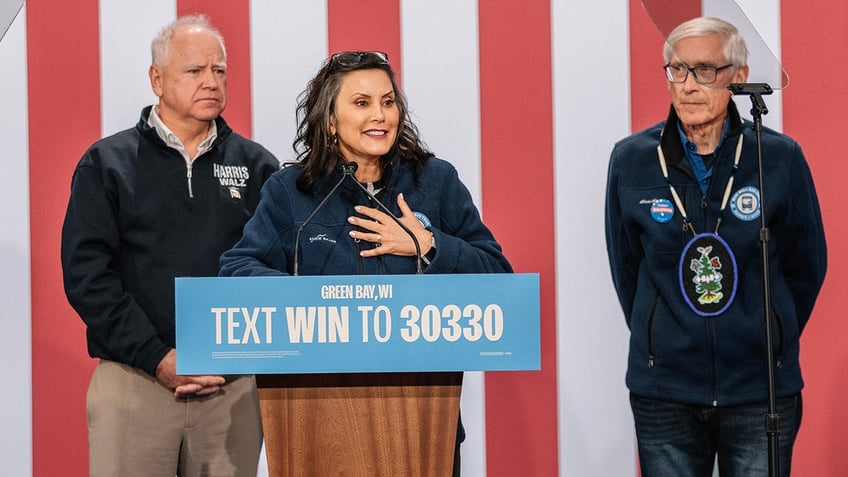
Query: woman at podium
365	196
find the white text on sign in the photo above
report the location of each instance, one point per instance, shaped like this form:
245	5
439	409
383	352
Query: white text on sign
331	324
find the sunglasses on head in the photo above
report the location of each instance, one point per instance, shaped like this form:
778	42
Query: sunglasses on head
353	58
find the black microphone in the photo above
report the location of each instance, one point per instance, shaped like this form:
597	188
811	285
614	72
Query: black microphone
756	92
750	88
397	220
347	170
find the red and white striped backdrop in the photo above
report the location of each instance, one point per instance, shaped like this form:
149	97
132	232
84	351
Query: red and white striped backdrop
525	98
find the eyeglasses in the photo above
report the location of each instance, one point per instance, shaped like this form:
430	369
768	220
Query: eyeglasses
353	58
703	74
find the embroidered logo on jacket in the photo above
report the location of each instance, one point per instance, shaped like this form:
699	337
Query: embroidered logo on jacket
322	238
231	176
745	203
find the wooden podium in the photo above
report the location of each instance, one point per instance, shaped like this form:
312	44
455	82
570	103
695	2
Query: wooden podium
360	424
359	375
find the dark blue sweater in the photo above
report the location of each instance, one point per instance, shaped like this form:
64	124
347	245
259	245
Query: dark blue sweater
463	243
676	354
131	227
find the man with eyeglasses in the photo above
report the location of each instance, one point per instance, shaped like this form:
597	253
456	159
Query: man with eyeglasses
682	230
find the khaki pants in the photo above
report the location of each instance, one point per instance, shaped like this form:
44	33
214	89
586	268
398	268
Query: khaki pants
136	427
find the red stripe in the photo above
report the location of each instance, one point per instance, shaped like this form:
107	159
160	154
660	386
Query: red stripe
517	150
232	19
815	44
366	25
64	119
649	95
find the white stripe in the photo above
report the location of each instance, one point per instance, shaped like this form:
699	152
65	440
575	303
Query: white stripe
762	17
288	43
591	111
441	79
16	338
126	30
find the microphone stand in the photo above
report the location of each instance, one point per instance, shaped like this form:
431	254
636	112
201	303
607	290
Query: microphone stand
385	209
772	418
347	170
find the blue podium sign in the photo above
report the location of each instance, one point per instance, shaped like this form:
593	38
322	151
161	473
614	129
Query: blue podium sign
352	324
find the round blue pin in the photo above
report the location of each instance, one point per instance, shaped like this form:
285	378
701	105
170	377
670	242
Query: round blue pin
662	210
425	221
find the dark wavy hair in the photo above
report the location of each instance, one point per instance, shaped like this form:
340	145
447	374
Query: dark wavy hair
315	146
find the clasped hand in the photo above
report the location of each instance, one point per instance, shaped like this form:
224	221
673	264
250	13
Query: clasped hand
166	373
388	235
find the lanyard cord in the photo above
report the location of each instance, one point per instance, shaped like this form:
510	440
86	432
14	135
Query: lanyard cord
686	223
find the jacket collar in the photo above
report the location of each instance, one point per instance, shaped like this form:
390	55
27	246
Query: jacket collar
151	134
670	138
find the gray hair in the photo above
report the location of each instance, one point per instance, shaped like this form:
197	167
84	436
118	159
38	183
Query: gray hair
735	50
159	47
